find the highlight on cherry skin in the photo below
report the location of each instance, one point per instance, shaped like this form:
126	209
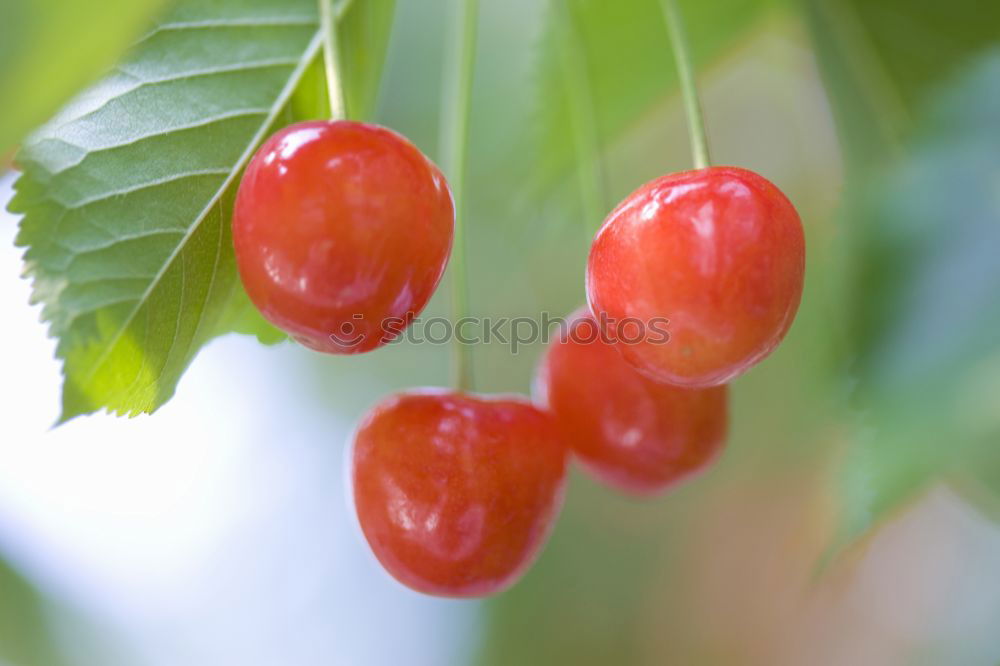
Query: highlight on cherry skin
720	253
339	227
634	434
456	493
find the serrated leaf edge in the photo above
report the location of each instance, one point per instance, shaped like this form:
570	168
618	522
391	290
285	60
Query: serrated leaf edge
279	104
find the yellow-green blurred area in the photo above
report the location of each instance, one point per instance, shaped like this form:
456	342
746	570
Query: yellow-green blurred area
852	517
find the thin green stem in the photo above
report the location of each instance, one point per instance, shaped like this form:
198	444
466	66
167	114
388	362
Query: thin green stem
583	122
454	144
689	90
331	60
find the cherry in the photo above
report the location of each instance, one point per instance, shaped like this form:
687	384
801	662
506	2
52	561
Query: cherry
635	434
342	232
456	493
720	253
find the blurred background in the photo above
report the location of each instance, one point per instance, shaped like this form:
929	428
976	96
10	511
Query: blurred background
853	518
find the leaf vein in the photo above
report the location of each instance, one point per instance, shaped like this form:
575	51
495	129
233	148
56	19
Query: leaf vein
207	24
141	84
76	314
79	252
205	122
157	182
211	71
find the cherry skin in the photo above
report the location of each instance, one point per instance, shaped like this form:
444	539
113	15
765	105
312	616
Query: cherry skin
342	231
632	433
456	493
720	253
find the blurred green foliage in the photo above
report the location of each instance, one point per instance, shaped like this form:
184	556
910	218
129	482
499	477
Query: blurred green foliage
623	49
913	85
929	371
49	50
24	638
364	29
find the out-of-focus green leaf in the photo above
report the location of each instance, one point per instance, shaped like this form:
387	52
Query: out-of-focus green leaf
979	482
628	64
127	193
49	50
364	27
931	283
934	227
880	57
919	214
920	42
24	640
979	476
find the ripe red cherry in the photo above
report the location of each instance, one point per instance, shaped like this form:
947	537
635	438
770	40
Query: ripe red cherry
720	253
456	493
342	231
635	434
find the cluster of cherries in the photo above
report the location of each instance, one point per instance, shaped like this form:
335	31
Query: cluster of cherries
340	226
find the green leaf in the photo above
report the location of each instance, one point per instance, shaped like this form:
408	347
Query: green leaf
25	639
364	27
49	50
879	60
628	65
931	309
127	194
918	219
978	476
979	479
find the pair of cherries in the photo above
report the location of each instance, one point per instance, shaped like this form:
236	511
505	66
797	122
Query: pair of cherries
341	226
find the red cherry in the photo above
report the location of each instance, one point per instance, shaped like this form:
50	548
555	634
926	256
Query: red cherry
632	433
342	232
720	253
456	493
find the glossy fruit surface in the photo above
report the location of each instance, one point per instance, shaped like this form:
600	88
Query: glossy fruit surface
456	493
342	231
632	433
720	253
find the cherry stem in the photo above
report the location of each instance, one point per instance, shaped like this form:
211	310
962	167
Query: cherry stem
583	122
689	91
454	143
331	60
